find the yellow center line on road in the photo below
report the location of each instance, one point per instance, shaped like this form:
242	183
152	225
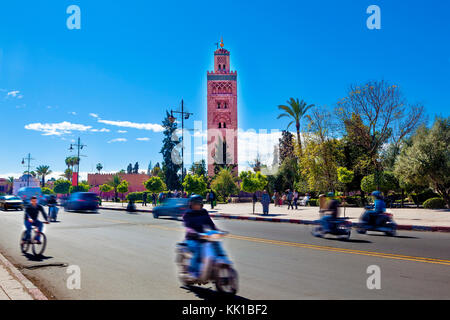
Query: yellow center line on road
308	246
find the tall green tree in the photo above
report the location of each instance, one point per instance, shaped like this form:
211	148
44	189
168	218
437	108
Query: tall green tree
171	164
252	182
122	188
62	186
376	113
199	168
136	168
129	168
224	184
114	183
155	185
295	110
43	171
195	184
427	160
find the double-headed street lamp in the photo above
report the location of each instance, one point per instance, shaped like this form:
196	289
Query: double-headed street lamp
184	116
79	147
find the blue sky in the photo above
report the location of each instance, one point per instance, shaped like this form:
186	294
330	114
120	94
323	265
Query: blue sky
132	60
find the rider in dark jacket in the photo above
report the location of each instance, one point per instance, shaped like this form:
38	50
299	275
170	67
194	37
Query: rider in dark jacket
196	219
31	218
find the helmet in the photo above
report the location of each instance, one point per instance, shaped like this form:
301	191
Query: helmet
195	198
376	194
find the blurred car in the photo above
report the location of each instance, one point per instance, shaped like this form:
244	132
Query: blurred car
171	207
26	193
82	201
10	202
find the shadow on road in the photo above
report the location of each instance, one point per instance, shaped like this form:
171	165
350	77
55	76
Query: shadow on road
211	295
39	258
383	235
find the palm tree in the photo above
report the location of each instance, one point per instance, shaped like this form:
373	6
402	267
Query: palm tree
10	182
114	183
295	110
67	174
99	167
43	171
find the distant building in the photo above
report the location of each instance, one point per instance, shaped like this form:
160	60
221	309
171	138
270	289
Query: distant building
4	185
27	180
135	181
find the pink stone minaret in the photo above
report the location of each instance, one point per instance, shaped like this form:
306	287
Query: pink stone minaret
222	112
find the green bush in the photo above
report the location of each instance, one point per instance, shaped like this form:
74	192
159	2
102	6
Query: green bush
434	203
135	196
313	202
420	198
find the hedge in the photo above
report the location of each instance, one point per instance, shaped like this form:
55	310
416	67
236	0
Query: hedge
434	203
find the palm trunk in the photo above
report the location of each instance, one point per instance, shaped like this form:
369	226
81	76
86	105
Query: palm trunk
299	141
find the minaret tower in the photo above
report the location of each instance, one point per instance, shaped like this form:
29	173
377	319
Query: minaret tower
222	112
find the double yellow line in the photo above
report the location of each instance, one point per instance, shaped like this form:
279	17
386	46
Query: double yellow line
310	246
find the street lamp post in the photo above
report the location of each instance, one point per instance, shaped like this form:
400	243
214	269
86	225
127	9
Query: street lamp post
28	158
79	146
184	115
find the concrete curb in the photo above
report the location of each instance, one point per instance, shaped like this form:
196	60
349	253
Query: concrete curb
28	285
299	221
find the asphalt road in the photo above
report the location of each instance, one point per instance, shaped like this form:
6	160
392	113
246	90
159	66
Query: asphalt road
131	256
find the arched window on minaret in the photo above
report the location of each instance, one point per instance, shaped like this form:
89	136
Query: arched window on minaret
225	105
218	105
220	125
224	125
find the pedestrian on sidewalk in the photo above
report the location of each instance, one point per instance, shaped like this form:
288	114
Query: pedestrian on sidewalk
295	199
144	199
154	199
276	198
289	198
283	199
265	201
212	198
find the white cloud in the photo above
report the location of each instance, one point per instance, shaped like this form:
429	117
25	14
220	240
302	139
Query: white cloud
14	93
73	113
122	131
142	139
57	129
127	124
94	115
117	140
100	130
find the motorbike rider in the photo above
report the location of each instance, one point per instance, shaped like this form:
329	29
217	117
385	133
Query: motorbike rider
196	219
31	218
52	209
371	216
333	210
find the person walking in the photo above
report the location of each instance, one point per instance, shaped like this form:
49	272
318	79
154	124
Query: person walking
289	198
276	197
154	199
265	201
295	199
144	199
283	199
212	198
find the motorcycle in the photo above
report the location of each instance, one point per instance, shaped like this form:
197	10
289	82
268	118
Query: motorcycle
215	266
53	212
340	227
382	222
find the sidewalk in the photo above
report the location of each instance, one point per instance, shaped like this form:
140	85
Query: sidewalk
408	218
14	285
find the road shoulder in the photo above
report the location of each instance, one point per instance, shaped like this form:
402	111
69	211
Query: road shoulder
14	285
